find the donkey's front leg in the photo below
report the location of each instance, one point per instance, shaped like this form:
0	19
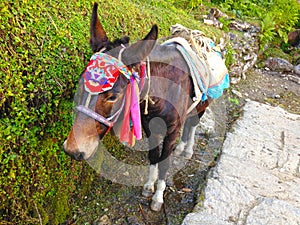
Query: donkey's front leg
153	156
148	189
163	166
158	197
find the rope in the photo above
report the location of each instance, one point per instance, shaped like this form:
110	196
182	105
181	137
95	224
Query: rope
198	41
147	97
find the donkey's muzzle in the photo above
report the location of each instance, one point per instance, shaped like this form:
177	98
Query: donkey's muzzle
75	154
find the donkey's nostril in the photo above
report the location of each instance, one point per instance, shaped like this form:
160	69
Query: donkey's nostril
79	156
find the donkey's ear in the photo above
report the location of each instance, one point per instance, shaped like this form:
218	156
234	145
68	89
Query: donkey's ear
98	38
139	51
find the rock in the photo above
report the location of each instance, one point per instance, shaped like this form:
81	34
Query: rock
251	60
216	13
235	80
294	38
295	79
237	25
237	93
133	220
297	69
212	18
104	220
257	178
244	48
279	64
213	22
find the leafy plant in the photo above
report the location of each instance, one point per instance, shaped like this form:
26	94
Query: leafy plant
233	100
267	31
277	17
229	59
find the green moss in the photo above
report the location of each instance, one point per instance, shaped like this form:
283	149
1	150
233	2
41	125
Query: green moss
62	210
277	53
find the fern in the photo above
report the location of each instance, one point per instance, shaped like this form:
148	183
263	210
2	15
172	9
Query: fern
267	30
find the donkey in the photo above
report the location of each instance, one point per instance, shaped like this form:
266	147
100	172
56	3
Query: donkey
166	94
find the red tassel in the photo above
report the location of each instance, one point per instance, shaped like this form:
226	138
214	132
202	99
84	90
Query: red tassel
125	129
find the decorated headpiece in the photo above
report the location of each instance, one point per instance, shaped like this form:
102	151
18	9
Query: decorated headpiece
99	76
102	72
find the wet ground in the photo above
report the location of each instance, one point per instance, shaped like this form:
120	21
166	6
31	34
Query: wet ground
114	203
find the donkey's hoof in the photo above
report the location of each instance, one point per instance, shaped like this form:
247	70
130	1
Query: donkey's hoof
177	153
156	206
188	155
179	149
147	193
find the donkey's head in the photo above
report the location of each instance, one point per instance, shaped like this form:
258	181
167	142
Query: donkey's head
102	87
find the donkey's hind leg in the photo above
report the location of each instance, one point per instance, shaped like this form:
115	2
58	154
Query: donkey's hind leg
184	138
186	144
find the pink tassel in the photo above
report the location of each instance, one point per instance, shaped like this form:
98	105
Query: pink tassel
135	110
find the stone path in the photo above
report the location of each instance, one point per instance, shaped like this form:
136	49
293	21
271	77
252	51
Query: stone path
257	179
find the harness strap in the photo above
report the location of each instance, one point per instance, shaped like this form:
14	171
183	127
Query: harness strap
88	99
94	115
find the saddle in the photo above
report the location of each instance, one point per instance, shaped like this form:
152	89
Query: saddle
205	61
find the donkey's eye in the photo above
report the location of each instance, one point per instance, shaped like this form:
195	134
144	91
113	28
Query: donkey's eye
112	98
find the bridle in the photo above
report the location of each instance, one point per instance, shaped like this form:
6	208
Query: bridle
109	121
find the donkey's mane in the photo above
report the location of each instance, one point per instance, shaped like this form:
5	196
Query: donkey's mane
117	42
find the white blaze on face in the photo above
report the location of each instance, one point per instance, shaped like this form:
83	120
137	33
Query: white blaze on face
83	138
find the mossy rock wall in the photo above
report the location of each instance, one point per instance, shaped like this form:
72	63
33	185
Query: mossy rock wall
44	48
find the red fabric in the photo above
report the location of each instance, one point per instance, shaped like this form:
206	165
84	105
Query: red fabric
126	134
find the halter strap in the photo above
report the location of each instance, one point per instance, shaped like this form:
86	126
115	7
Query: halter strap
120	53
106	121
